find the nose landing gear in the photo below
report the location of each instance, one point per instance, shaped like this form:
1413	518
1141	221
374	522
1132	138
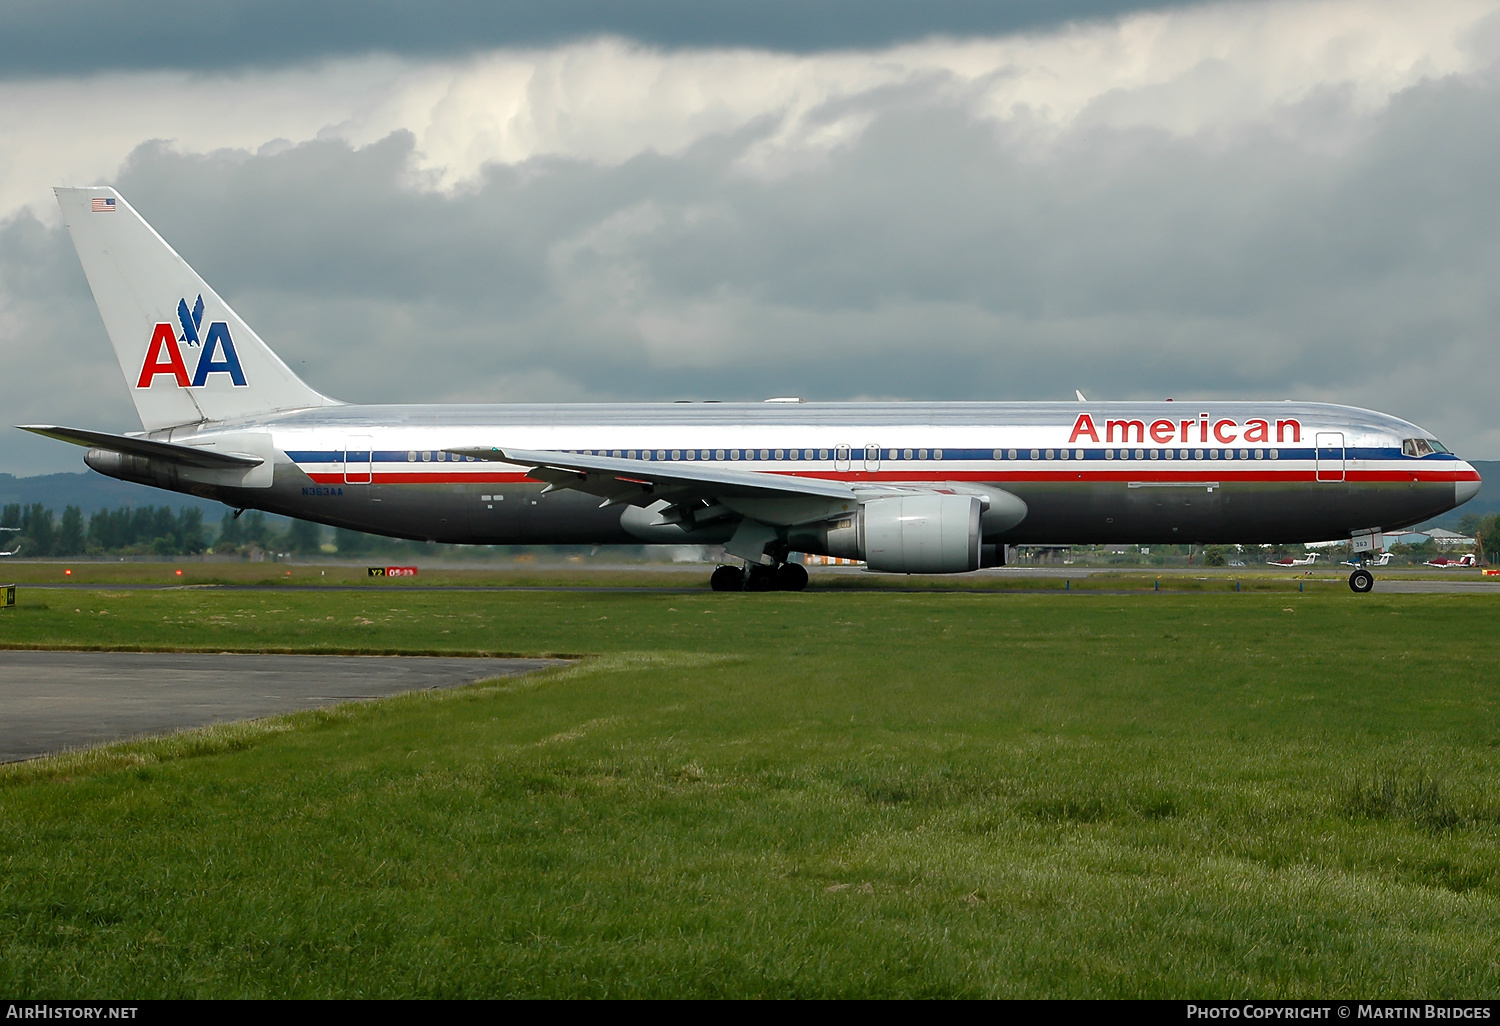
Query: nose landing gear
1361	581
783	577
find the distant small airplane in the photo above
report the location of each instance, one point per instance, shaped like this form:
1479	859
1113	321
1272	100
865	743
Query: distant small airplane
1381	560
17	548
1444	563
1289	561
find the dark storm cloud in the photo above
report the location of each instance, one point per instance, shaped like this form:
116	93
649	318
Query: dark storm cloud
932	242
54	348
934	256
70	37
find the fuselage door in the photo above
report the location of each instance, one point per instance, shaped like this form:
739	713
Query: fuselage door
1330	455
872	458
359	459
841	458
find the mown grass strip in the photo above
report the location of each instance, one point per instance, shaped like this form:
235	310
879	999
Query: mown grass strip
809	795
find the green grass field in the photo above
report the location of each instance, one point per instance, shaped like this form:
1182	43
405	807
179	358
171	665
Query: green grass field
567	573
824	794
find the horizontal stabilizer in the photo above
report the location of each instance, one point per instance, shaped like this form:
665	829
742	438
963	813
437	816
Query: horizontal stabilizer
171	452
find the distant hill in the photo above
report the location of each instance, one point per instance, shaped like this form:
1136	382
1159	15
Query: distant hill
91	492
1486	503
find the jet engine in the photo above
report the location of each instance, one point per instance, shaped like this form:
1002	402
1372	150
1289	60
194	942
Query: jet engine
912	534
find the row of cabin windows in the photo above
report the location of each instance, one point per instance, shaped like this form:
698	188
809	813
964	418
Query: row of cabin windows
1141	454
873	453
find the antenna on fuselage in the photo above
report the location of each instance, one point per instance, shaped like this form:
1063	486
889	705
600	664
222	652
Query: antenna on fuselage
1080	396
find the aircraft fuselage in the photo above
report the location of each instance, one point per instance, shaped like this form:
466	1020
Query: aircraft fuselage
1169	472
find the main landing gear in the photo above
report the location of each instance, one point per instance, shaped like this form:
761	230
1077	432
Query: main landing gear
1361	580
782	577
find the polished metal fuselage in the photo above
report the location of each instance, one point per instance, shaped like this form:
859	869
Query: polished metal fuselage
387	470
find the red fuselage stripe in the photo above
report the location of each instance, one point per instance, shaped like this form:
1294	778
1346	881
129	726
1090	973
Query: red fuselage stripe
1198	472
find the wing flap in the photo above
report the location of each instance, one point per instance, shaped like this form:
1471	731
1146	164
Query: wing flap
774	498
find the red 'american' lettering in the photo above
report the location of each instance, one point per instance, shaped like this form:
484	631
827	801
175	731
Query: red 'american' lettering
1200	431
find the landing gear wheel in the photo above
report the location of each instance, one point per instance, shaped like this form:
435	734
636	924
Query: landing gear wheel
727	578
762	578
791	577
1361	580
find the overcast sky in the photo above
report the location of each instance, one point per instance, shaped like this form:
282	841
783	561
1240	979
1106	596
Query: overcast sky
593	200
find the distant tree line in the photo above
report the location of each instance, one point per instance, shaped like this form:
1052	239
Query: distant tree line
163	531
1485	531
133	530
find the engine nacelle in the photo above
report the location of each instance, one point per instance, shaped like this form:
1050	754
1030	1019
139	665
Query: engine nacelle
920	534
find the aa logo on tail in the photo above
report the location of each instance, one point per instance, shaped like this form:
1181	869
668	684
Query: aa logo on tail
217	354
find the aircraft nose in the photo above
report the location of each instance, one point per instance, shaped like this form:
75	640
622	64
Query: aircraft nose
1465	490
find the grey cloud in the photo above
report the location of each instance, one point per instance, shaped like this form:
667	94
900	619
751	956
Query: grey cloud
61	37
54	359
937	256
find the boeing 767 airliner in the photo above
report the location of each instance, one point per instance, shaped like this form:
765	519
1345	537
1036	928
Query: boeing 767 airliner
907	487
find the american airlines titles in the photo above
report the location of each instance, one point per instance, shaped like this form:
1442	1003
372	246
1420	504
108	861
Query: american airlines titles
1202	429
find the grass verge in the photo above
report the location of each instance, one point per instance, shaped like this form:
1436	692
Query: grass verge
774	795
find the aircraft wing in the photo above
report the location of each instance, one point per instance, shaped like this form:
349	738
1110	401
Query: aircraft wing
780	499
172	452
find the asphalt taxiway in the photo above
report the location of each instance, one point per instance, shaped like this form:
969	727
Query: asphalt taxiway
52	701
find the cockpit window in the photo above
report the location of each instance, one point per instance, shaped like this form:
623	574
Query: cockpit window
1421	447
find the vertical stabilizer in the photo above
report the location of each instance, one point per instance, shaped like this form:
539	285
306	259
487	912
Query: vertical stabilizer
187	357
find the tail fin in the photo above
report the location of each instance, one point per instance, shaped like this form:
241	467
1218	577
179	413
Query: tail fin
187	357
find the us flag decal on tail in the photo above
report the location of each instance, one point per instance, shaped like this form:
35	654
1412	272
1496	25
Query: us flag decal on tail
104	206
